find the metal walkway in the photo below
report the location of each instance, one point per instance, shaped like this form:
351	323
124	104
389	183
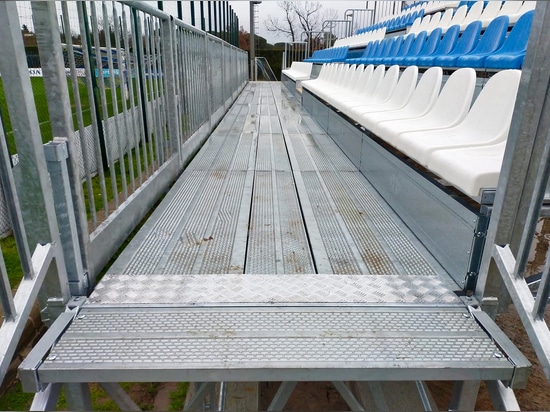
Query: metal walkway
272	258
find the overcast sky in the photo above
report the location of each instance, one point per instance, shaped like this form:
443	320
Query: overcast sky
266	9
271	8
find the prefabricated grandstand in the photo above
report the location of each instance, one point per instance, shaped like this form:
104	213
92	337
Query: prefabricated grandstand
362	222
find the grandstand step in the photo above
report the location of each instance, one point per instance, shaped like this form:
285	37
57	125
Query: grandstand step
275	342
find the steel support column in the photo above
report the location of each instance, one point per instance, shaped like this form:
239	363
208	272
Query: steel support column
31	176
57	158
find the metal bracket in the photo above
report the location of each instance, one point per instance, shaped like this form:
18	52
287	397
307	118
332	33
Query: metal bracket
478	243
521	364
28	370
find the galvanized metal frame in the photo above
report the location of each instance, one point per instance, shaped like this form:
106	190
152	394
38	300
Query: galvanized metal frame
31	204
232	308
27	187
294	52
520	197
427	209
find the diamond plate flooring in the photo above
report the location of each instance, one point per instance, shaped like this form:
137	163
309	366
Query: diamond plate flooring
273	258
269	194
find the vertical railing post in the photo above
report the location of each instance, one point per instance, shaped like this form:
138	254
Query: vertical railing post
209	86
171	84
31	174
203	21
220	19
57	156
216	33
59	109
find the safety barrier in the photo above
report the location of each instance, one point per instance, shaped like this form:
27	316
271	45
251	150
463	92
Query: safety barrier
116	141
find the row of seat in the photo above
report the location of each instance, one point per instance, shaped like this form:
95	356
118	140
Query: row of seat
332	55
409	14
437	127
479	11
362	39
494	49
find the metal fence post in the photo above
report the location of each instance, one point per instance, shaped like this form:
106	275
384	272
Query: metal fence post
57	158
59	109
208	81
32	178
172	92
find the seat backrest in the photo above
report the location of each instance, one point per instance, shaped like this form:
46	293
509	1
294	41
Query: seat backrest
474	13
527	6
468	40
509	7
491	10
364	79
417	44
406	45
395	46
427	89
446	18
493	37
383	47
338	74
404	87
374	81
455	98
374	47
467	4
448	42
425	22
415	25
492	111
519	36
459	15
351	75
368	48
359	75
387	84
434	21
431	42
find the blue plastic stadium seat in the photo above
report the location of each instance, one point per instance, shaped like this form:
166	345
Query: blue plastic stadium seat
369	53
383	48
447	43
512	52
396	43
469	4
465	44
492	40
403	50
415	48
332	55
366	51
428	48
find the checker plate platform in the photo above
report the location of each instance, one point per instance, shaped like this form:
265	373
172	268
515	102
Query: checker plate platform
275	343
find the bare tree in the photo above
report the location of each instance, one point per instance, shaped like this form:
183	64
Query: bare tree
300	17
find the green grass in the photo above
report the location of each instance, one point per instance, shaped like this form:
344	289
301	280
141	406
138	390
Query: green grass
177	397
15	399
40	100
11	259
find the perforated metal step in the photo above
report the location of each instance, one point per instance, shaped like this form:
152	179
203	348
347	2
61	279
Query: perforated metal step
275	343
